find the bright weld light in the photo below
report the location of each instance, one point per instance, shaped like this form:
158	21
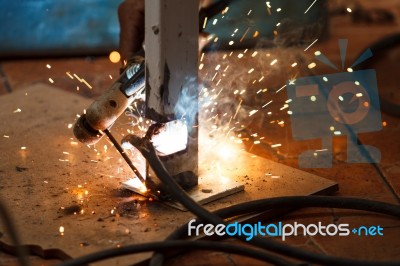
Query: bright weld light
114	57
136	183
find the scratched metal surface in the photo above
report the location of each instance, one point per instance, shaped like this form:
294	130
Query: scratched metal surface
43	190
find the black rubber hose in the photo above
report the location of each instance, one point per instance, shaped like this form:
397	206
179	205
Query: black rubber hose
146	148
169	245
288	202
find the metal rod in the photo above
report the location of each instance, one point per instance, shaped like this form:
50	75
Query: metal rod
123	154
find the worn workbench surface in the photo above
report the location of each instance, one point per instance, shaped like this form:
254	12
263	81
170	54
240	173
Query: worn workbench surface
48	180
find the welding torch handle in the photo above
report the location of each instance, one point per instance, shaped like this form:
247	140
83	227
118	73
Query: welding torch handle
124	155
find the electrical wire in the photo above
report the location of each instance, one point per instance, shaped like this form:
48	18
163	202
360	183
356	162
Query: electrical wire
179	244
288	202
146	148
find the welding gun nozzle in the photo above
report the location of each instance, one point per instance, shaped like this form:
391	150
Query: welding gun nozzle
86	133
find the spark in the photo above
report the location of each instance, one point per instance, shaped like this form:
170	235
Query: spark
350	70
202	57
257	142
349	10
253	112
254	54
249	12
337	133
357	83
5	136
240	55
325	79
244	35
276	145
310	6
215	21
274	62
69	126
48	66
17	111
51	80
250	71
279	10
312	65
201	66
313	98
358	95
205	22
284	86
231	43
311	45
294	64
62	230
23	148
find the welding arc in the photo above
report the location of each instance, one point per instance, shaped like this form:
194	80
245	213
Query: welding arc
146	148
170	245
293	202
123	154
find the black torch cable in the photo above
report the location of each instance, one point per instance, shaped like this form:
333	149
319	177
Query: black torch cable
146	148
173	245
124	155
287	202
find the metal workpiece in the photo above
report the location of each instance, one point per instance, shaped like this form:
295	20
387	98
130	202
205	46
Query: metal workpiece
171	34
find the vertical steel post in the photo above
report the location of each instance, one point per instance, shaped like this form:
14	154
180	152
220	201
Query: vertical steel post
171	44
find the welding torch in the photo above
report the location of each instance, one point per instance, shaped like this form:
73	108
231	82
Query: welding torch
103	112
